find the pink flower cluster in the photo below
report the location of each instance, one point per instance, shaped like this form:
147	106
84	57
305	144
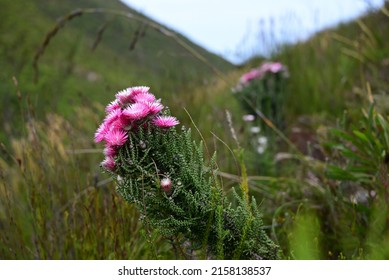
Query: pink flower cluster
132	107
261	71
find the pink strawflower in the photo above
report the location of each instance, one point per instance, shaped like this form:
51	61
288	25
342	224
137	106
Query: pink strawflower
124	96
144	97
136	111
108	163
116	137
110	151
253	74
154	107
165	121
112	106
276	67
127	96
273	67
139	89
121	123
112	117
100	132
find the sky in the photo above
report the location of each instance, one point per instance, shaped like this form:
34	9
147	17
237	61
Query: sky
239	29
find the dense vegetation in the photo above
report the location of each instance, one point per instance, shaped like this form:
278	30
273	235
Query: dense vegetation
322	184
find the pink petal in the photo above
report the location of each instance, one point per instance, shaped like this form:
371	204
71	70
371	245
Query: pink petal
116	137
165	121
108	163
136	111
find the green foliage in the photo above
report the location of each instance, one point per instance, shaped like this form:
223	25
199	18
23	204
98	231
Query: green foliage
193	211
364	153
265	96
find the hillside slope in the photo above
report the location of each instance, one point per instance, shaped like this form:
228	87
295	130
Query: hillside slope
72	72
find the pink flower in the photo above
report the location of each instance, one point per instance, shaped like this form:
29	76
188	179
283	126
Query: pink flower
108	163
100	132
253	74
139	89
273	67
121	123
165	121
154	107
127	96
276	67
112	117
116	137
144	97
110	151
112	106
136	111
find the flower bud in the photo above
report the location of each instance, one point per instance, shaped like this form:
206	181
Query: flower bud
166	184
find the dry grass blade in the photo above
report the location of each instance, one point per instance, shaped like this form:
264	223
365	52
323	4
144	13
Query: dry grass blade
50	35
78	12
99	36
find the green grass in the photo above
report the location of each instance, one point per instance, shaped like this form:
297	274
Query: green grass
56	204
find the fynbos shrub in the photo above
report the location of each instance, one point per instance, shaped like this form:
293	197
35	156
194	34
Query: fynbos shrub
164	173
261	91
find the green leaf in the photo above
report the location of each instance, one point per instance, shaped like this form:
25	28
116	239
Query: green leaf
385	129
337	173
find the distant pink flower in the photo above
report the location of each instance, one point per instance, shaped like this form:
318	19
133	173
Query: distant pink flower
100	132
253	74
273	67
110	151
108	163
116	137
144	97
112	106
258	73
136	111
165	121
154	107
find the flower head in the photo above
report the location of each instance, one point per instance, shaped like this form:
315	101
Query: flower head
116	137
110	151
100	132
109	163
112	106
165	121
125	96
112	117
136	111
154	107
144	97
253	74
273	67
